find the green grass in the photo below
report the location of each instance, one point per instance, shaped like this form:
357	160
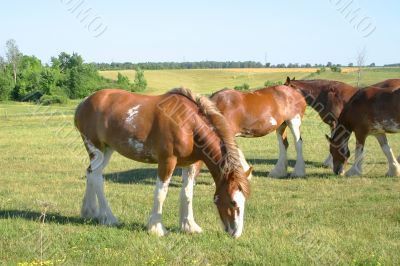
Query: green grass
318	220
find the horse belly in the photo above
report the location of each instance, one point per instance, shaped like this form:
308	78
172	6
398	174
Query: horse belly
386	126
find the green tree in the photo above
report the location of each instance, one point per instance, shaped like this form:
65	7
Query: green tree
13	56
123	81
28	78
140	83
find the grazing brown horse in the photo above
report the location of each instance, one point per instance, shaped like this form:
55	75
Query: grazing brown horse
176	129
327	97
372	111
260	112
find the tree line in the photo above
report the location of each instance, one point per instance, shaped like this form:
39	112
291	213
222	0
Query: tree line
25	78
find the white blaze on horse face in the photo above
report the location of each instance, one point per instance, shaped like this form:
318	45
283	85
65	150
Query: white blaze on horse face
272	121
131	114
240	200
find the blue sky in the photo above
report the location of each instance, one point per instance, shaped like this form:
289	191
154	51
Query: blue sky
284	31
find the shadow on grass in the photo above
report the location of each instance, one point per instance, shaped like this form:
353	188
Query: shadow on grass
56	218
147	176
274	161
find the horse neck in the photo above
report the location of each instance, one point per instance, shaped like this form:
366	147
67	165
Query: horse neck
309	91
209	149
342	134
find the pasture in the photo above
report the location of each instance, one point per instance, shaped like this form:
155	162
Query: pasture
205	81
319	220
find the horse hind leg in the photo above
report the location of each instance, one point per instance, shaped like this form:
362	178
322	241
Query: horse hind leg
95	187
394	166
294	125
280	169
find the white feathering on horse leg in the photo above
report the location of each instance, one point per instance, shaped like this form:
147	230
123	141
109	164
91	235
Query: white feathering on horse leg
394	166
155	225
300	167
356	169
329	161
95	186
280	169
186	220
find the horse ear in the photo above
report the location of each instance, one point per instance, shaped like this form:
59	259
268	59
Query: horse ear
287	79
294	78
248	173
328	138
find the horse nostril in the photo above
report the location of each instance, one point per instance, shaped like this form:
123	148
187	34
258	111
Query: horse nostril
233	203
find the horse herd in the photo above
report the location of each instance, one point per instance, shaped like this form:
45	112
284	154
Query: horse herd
180	129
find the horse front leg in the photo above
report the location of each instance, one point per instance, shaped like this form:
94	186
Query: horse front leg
329	160
356	169
186	221
165	170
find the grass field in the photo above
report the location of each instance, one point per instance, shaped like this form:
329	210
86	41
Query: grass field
318	220
208	80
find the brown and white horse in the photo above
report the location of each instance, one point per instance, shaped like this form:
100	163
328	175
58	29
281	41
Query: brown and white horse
327	97
176	129
260	112
372	111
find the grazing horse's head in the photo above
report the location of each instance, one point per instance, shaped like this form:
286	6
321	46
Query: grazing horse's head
339	150
230	197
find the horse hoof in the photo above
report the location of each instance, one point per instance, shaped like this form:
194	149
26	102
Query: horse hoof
298	174
353	172
108	220
277	174
190	227
90	213
393	173
157	229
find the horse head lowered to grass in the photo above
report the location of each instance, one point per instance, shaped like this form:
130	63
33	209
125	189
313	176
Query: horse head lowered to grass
176	129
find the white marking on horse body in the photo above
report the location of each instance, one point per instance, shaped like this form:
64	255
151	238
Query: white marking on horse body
136	145
239	198
132	113
272	121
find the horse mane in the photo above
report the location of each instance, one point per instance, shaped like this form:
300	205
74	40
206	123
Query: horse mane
217	120
221	90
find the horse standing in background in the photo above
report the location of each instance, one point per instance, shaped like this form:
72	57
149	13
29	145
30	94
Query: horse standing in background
260	112
327	97
176	129
372	111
